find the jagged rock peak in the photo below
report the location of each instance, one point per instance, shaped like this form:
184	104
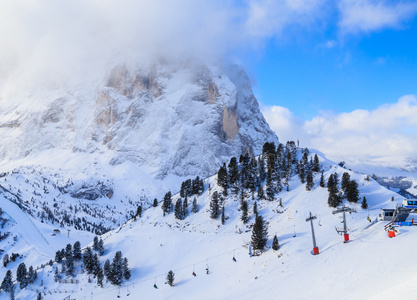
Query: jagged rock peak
182	119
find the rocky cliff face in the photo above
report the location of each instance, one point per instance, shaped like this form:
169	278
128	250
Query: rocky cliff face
173	119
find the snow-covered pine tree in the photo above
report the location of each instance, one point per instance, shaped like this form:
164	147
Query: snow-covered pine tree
155	202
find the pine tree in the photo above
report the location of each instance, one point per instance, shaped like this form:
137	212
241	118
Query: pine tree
275	244
194	209
69	263
333	200
178	210
77	251
309	180
95	264
107	269
322	184
302	172
167	203
32	275
316	164
12	293
125	269
223	217
259	234
270	190
88	260
222	178
233	171
352	192
58	256
244	209
364	204
214	205
116	269
21	275
139	211
100	247
155	202
170	278
255	209
39	296
7	283
95	243
100	277
261	192
345	181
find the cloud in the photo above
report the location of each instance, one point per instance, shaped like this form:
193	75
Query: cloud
357	16
54	42
266	18
389	130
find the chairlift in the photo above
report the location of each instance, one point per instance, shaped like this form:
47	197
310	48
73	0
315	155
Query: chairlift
294	235
320	221
194	274
234	255
154	285
128	292
118	294
207	267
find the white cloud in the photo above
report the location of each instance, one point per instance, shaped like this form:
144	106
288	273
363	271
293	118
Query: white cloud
268	18
389	130
358	16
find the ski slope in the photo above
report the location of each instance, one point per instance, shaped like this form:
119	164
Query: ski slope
369	266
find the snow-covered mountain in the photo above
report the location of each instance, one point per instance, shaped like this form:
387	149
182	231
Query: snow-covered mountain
181	119
370	266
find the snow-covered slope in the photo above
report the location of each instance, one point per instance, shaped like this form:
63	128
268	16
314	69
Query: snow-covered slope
370	266
182	119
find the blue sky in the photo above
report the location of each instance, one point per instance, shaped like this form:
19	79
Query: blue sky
323	70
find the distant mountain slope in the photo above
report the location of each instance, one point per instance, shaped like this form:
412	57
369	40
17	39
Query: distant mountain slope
172	119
